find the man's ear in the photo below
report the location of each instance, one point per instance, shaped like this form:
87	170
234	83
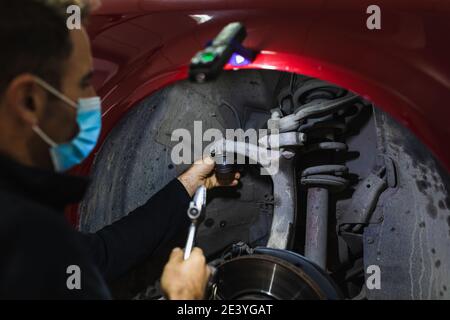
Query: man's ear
25	99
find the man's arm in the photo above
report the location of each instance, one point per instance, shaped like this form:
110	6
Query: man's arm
125	243
120	246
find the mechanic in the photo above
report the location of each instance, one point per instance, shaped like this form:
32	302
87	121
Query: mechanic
50	122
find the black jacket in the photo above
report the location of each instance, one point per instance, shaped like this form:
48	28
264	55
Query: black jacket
37	245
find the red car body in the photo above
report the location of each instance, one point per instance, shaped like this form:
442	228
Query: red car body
140	46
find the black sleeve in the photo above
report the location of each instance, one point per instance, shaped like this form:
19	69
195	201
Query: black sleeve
128	241
39	252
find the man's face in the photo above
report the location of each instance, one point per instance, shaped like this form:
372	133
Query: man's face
25	104
59	120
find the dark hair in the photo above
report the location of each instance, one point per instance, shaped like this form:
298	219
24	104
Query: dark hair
34	39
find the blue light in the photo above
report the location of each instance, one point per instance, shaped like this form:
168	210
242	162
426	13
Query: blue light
237	60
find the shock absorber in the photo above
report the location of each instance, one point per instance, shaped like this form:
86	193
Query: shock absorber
323	129
320	181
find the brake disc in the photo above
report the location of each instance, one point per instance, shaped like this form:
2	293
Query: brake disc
264	277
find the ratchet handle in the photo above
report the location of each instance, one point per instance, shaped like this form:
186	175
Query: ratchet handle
195	210
190	241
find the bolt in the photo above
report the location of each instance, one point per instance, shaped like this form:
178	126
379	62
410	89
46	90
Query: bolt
200	77
302	137
209	223
287	154
370	240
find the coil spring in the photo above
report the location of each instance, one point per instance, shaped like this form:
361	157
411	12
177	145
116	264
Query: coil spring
322	130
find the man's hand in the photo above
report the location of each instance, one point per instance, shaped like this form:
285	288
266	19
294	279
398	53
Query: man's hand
185	279
201	173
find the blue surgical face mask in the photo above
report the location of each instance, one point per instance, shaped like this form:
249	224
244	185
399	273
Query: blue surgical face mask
66	155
